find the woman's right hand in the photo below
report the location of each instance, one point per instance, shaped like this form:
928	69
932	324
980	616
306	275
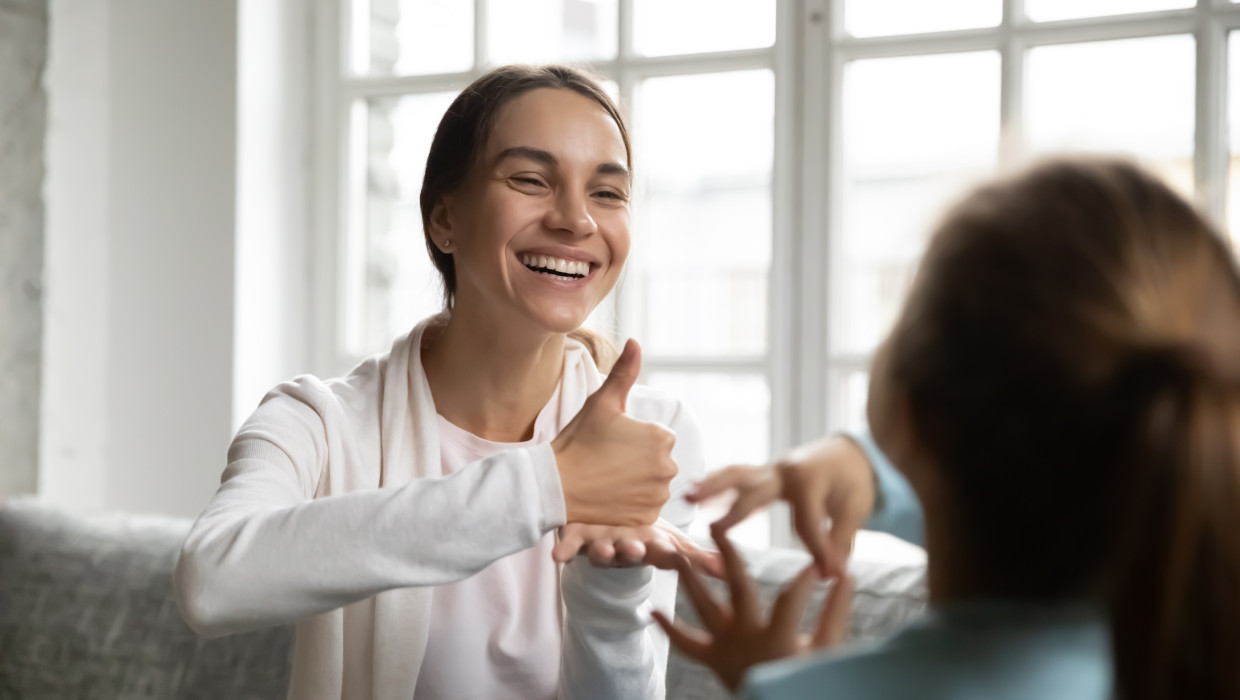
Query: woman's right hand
615	470
831	478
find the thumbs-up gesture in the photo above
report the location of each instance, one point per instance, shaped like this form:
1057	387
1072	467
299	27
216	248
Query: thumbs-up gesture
614	470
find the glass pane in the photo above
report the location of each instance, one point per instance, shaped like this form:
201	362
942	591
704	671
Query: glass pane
1134	97
666	27
884	17
734	413
412	37
1233	116
545	31
1050	10
696	283
917	130
390	282
851	389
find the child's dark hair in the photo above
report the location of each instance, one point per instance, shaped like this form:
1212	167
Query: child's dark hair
1071	358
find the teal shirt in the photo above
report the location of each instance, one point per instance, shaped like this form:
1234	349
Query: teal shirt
975	650
969	651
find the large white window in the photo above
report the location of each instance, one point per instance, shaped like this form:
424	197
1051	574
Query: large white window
791	156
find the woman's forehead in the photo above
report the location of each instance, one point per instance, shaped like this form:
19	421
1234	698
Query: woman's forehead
559	121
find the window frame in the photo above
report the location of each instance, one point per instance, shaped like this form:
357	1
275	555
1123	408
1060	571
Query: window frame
806	184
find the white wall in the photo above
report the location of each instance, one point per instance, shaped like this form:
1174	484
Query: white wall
23	50
138	370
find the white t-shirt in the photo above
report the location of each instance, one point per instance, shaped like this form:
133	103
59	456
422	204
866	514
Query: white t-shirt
496	635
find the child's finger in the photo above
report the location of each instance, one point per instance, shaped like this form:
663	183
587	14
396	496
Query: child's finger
787	609
744	598
833	620
692	643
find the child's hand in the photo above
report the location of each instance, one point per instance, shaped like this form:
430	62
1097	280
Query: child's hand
737	638
660	545
828	479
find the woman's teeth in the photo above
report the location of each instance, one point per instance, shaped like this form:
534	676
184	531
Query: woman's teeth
556	266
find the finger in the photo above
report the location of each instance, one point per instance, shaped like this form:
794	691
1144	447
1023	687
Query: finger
747	502
615	389
711	562
712	615
692	643
787	609
744	598
833	620
844	528
807	517
630	552
601	553
722	480
569	546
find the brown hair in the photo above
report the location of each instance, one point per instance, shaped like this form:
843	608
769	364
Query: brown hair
462	137
1070	356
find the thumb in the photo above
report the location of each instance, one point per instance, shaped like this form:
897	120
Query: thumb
615	389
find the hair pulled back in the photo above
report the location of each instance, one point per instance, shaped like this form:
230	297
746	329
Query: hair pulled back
1070	357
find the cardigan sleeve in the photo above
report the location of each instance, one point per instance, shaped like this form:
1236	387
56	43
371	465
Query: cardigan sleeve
265	551
898	511
611	647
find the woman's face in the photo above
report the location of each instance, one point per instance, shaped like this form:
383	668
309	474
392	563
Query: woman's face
541	229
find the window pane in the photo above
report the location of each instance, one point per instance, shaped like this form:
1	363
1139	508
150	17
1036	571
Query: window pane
544	31
697	277
1233	116
390	282
916	131
1049	10
851	389
412	37
864	18
665	27
1134	96
733	411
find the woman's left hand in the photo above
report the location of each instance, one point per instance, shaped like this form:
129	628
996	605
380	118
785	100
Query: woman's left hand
660	545
737	638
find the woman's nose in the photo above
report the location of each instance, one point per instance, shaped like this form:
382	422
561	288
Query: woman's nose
571	213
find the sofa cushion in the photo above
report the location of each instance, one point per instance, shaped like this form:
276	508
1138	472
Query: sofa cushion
86	611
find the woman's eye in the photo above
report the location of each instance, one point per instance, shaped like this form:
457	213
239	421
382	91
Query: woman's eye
608	194
531	181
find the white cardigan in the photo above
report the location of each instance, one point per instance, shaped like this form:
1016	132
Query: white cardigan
333	513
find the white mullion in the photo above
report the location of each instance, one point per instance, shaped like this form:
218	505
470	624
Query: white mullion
627	86
720	365
480	35
1210	136
330	147
1012	86
783	276
719	62
400	85
825	258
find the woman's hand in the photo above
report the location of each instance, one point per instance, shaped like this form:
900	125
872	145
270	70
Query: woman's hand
660	545
831	478
614	470
737	638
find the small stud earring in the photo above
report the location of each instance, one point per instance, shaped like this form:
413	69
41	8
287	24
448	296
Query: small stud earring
447	243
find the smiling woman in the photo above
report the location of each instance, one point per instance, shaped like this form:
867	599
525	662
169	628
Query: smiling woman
471	464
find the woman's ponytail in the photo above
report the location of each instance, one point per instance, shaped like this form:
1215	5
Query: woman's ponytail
1175	589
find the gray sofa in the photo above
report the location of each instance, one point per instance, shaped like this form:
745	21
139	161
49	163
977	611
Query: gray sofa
86	612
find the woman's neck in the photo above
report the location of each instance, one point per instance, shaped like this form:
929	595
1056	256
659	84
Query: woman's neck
490	379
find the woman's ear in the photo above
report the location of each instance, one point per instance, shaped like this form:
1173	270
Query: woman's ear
441	230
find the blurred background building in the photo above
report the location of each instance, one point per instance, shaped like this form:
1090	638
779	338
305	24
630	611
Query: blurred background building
231	193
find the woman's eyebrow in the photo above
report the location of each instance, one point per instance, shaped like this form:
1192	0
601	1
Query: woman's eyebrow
529	153
538	155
